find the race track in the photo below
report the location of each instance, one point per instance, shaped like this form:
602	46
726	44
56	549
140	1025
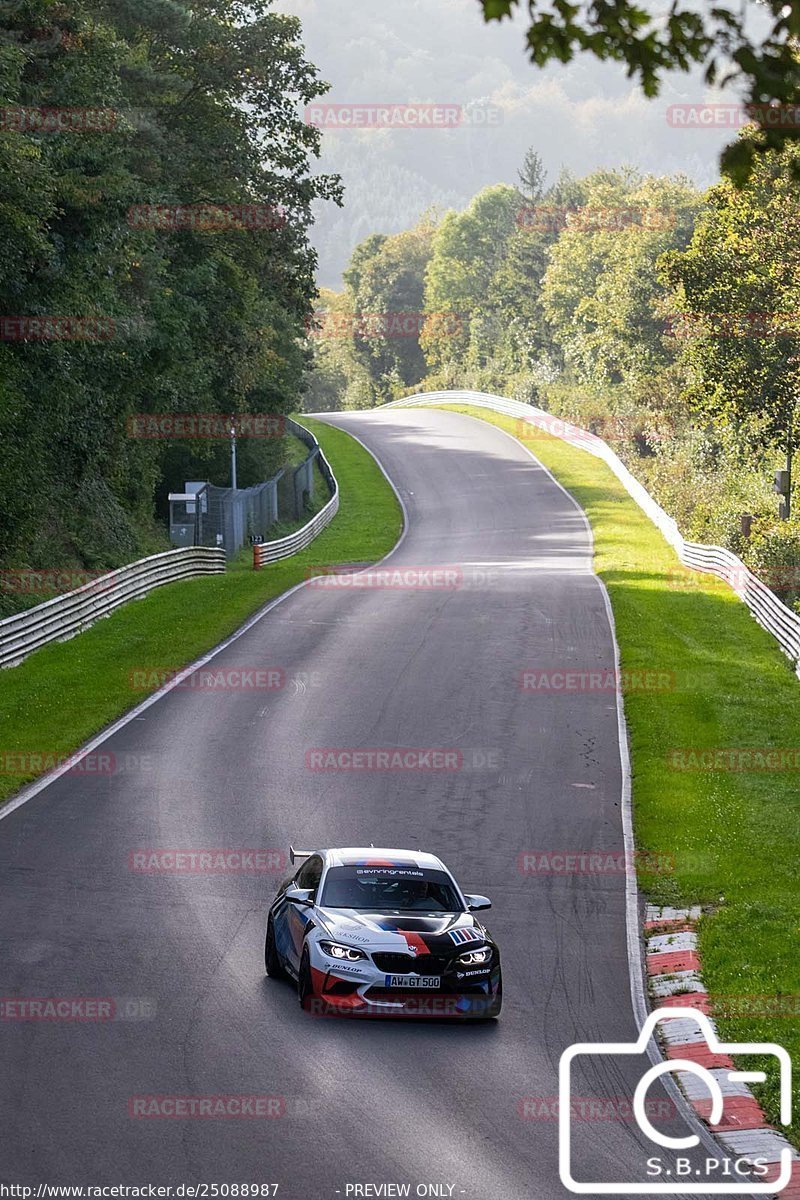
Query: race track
371	668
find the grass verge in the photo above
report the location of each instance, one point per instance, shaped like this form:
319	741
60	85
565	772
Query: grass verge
730	837
66	692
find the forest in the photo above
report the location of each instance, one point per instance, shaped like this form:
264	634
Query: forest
155	197
664	319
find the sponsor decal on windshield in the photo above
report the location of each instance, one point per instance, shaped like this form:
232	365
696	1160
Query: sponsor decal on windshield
390	872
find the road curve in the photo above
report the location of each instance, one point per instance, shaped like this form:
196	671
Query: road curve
373	1102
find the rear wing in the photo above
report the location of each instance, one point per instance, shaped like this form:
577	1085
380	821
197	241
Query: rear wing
297	855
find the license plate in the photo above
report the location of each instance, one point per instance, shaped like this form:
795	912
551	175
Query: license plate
407	982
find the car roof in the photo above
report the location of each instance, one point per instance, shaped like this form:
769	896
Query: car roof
380	856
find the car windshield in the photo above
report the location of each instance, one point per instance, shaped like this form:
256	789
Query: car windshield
387	889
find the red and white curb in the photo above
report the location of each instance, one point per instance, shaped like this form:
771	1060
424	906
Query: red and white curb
673	971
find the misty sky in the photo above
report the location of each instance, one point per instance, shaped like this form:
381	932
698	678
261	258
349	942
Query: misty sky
583	116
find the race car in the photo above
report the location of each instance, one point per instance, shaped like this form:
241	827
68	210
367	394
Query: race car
373	932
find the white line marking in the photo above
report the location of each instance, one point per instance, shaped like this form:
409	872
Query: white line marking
135	714
632	905
321	418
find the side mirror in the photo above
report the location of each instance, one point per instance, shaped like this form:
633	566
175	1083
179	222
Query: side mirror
477	903
296	895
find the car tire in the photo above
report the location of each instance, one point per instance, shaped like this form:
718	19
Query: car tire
272	960
496	1002
305	988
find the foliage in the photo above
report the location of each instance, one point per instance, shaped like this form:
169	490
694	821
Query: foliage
737	288
601	288
774	555
386	291
532	177
576	296
468	248
203	103
765	66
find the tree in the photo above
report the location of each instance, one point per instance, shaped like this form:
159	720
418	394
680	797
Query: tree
649	44
204	98
602	289
735	302
522	338
514	298
468	248
532	177
386	287
335	377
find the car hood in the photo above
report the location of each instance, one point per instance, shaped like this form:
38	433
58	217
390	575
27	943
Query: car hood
419	934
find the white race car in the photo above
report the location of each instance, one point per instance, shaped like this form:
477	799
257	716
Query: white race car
374	932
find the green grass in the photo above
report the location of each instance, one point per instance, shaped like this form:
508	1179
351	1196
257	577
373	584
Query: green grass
295	451
734	836
66	692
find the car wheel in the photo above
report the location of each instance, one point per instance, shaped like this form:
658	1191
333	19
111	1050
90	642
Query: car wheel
272	960
305	988
496	1002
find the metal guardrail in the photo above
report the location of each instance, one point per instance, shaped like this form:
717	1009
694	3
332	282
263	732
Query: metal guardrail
302	434
770	612
269	552
64	616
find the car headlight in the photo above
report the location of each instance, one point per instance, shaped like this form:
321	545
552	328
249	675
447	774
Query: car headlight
474	958
337	950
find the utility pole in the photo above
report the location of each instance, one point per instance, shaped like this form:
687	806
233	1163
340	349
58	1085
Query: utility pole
233	453
789	450
783	479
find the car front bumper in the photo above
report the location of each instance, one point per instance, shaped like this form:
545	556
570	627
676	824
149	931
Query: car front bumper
362	991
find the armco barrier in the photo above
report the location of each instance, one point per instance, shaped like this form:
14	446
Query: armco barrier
269	552
770	612
64	616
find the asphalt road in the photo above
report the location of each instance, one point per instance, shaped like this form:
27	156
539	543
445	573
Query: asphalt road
370	1102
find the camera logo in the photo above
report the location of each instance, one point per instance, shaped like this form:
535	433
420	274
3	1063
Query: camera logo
677	1184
